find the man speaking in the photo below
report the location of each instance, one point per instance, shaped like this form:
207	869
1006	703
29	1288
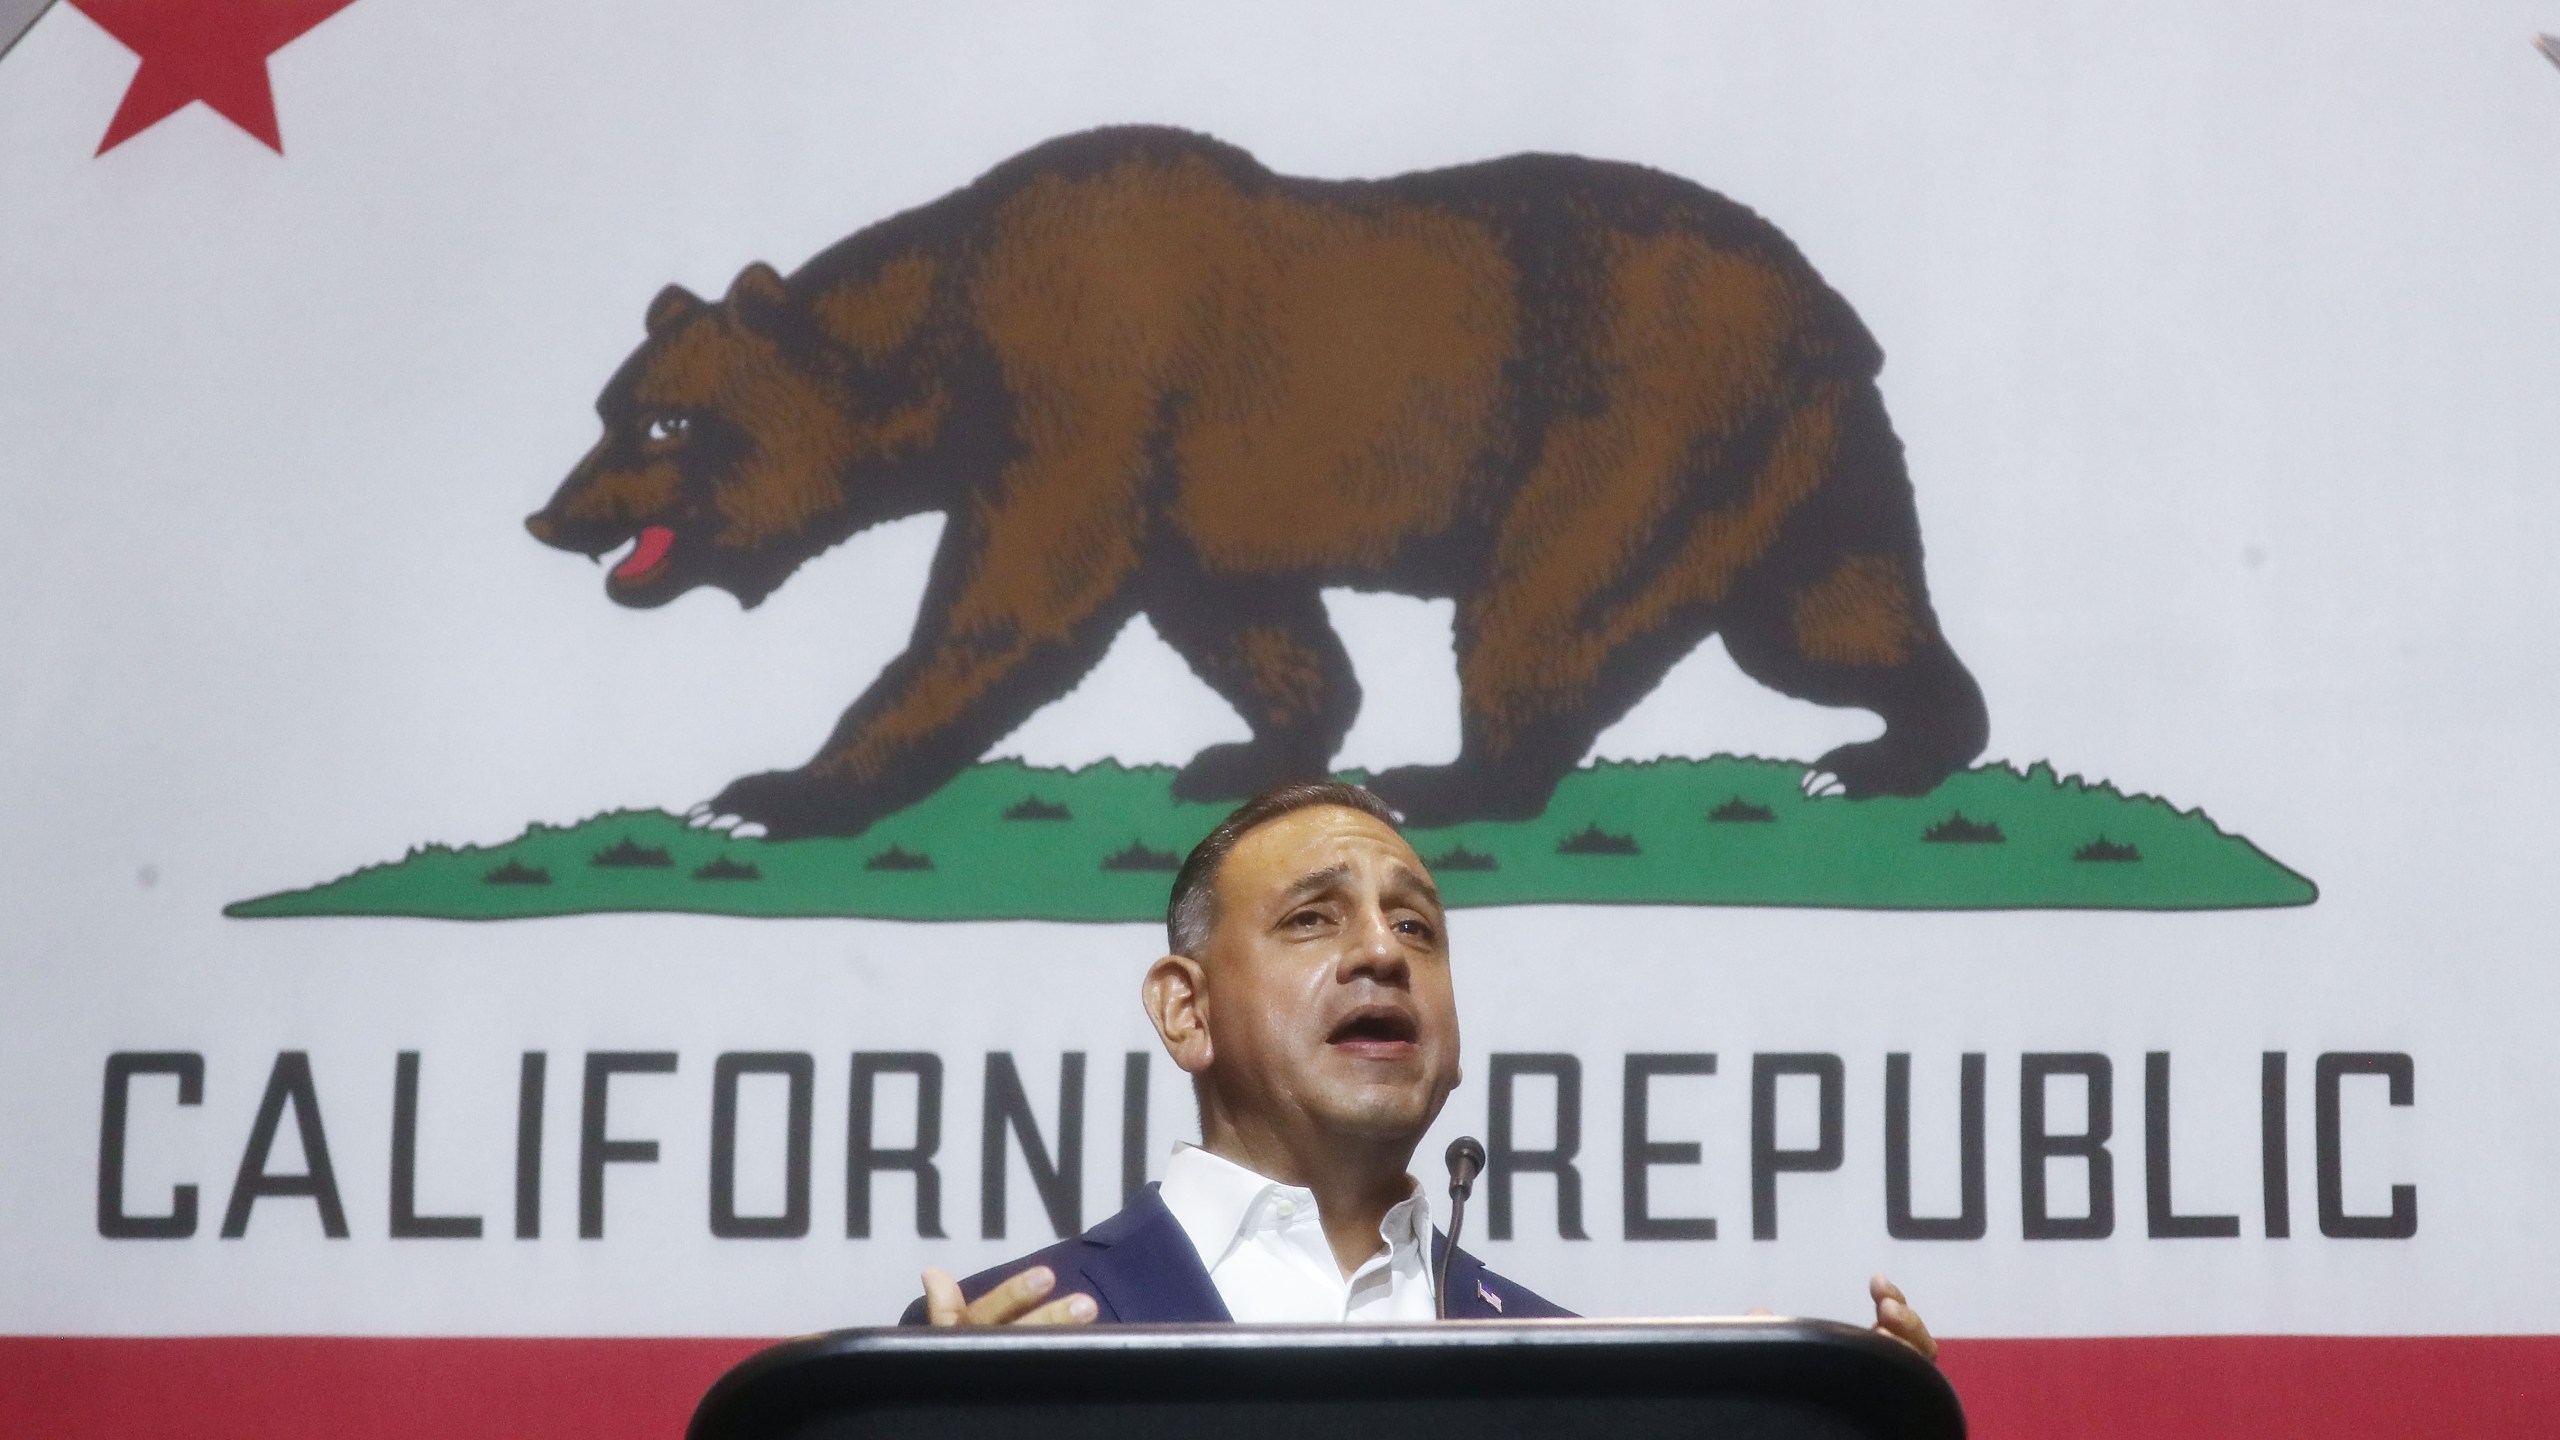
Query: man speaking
1308	996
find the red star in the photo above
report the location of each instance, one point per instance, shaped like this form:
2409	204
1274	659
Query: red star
210	50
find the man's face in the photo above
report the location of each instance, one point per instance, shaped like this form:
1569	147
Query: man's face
1327	980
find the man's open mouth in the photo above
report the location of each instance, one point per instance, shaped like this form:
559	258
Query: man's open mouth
648	555
1376	1030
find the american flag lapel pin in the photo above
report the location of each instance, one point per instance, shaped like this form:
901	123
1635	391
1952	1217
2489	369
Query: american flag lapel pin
1485	1293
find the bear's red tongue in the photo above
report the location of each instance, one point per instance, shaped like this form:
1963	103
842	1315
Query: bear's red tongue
644	557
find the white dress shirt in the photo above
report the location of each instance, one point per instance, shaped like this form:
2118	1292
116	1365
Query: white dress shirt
1265	1248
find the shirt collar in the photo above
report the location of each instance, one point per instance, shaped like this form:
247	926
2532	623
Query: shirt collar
1214	1199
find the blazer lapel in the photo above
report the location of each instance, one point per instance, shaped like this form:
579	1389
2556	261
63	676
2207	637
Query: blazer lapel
1470	1297
1144	1270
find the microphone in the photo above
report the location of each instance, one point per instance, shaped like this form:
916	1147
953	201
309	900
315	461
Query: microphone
1466	1161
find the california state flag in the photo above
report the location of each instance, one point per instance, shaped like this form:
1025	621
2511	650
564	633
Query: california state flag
449	988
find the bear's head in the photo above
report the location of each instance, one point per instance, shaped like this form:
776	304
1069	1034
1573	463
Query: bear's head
740	439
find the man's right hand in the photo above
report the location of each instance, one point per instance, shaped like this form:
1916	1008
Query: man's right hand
1015	1302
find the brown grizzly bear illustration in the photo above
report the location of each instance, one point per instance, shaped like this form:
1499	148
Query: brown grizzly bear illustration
1604	410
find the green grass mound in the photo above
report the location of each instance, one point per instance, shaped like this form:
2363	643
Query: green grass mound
1105	838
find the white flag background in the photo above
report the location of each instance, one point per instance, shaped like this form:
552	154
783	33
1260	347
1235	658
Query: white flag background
2224	342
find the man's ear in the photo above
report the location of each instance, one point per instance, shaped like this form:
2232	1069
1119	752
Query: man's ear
1176	996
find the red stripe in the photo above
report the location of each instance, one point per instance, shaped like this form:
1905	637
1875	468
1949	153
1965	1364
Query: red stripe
2261	1387
343	1388
2265	1387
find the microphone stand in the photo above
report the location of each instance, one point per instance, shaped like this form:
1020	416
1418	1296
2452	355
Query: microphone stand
1466	1160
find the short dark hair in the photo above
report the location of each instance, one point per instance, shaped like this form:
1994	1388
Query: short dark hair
1192	912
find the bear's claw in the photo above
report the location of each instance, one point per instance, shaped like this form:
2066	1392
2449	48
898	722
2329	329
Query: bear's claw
1872	768
787	805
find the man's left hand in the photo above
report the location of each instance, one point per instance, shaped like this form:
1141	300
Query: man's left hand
1896	1318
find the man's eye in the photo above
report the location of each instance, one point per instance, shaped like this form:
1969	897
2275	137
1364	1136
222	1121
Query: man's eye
668	427
1419	928
1306	919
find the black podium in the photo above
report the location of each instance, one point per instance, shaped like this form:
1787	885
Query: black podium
1494	1380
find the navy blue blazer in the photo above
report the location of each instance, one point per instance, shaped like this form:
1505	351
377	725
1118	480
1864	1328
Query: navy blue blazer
1140	1269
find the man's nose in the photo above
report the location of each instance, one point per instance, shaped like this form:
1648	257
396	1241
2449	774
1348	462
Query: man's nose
1375	952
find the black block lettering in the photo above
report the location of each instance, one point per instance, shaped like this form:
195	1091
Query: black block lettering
2037	1148
2326	1074
2274	1175
800	1073
1972	1218
1060	1185
113	1221
595	1151
529	1095
1505	1159
288	1083
863	1158
1133	1124
406	1222
1767	1160
1641	1152
2165	1222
